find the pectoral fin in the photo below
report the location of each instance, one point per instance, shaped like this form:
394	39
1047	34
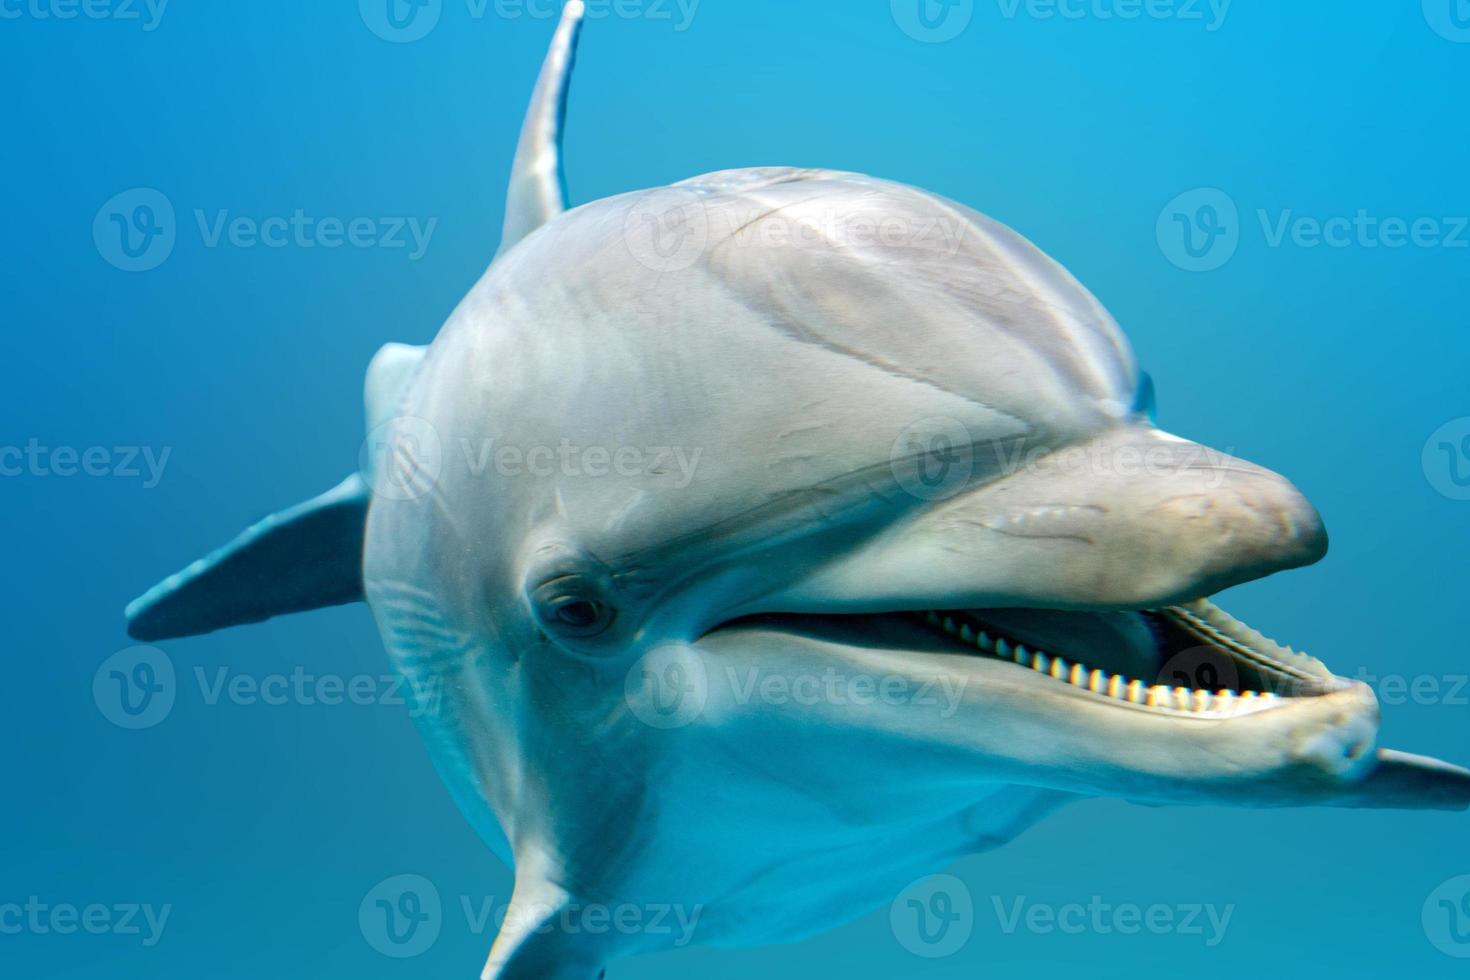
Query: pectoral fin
1409	782
303	558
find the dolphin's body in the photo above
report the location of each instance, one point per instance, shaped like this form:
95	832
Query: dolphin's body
773	539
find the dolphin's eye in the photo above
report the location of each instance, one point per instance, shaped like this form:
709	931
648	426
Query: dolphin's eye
579	614
569	606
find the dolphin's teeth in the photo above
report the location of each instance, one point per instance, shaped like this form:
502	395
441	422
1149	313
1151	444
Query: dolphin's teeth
1195	701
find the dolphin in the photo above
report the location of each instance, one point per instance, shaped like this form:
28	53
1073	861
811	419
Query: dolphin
758	544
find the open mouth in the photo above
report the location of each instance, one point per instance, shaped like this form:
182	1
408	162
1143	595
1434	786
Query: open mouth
1192	658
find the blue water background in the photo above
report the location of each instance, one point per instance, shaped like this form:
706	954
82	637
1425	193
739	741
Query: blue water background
264	827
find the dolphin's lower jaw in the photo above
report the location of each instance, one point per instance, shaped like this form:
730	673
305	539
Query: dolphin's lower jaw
1081	702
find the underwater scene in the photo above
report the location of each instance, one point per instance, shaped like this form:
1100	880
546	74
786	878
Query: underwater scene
652	489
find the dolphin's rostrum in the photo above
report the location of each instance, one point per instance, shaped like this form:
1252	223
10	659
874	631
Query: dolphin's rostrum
933	572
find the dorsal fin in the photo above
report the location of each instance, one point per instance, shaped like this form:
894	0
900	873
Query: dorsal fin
537	190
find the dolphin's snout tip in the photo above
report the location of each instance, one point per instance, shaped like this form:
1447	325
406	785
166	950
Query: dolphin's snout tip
1342	740
1304	534
1269	526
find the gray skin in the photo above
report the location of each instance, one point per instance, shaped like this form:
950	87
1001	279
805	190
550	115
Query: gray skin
703	680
